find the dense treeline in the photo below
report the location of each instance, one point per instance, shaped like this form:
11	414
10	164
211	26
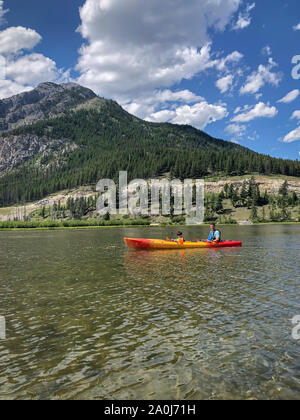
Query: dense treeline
113	140
261	207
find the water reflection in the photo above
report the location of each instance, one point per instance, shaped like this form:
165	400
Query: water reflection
169	261
88	318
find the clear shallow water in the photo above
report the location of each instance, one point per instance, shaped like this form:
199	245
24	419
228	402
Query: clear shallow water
89	319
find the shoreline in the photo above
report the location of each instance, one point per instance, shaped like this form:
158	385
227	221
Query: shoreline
137	226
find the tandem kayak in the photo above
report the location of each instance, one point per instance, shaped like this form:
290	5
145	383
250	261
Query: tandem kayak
161	244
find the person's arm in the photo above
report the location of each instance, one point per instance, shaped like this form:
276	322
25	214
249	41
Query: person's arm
217	236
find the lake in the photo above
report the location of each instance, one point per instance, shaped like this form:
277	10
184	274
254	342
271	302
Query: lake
89	319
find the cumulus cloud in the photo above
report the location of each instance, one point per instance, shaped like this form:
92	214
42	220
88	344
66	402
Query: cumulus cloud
198	115
292	136
124	74
232	58
290	97
266	51
259	78
244	18
9	88
15	39
137	54
179	107
237	131
170	22
296	115
260	110
31	69
132	49
21	69
180	96
225	83
296	27
143	106
2	12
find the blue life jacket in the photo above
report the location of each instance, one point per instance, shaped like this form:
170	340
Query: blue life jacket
214	235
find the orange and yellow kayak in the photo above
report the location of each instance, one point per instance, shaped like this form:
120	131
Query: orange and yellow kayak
161	244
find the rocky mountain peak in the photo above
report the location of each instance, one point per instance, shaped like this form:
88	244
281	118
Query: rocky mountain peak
47	100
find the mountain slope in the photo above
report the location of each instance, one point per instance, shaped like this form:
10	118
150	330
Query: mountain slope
46	101
74	138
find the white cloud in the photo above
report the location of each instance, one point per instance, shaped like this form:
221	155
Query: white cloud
232	58
253	136
237	131
244	18
132	50
15	39
170	22
144	106
290	97
296	27
2	12
259	78
136	54
260	110
292	136
24	69
31	69
164	106
180	96
166	115
124	74
225	83
198	115
266	51
9	88
296	115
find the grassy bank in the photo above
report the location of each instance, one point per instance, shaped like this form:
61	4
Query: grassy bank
67	224
7	226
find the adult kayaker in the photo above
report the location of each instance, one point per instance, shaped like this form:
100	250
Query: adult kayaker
215	234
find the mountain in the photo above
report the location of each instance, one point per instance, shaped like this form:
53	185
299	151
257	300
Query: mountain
62	136
48	100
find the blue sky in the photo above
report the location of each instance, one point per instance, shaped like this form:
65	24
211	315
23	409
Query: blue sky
224	66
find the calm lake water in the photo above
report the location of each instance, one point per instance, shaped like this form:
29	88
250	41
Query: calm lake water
88	319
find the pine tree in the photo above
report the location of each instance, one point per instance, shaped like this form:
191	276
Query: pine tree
244	193
254	213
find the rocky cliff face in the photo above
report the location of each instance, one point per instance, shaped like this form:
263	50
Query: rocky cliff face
16	150
46	101
270	185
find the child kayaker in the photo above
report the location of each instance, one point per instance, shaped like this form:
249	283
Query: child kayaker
180	236
179	239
